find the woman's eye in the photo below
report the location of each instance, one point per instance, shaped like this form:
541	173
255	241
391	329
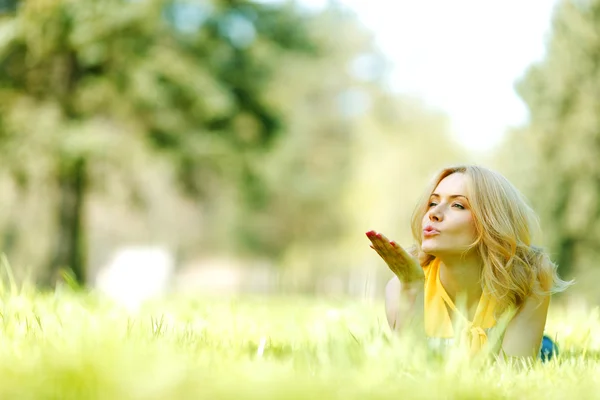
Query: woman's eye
432	204
460	206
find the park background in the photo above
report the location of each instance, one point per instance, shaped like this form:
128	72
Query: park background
232	146
187	184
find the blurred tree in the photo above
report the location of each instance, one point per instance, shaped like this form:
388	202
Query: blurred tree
83	81
307	169
8	6
356	155
556	155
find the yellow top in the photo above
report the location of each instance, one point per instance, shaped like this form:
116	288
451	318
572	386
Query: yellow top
438	323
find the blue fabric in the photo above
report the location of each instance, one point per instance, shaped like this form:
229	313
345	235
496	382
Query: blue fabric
548	349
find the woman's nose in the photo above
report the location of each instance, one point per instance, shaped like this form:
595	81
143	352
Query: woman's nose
435	214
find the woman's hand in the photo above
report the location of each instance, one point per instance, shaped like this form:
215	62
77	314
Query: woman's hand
402	264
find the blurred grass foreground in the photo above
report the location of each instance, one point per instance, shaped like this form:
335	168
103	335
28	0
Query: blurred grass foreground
73	344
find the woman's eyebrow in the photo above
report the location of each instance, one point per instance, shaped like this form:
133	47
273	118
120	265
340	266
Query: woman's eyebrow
454	196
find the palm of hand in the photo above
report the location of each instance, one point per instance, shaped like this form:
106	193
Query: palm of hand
402	264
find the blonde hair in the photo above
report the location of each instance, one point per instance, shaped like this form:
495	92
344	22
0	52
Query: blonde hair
513	268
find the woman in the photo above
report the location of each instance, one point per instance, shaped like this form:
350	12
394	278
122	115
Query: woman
473	262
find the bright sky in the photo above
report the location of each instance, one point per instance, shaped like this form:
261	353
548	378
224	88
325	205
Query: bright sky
461	56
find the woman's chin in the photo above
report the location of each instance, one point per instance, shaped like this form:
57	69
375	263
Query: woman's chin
432	248
428	250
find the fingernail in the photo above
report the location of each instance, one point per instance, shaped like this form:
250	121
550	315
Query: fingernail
370	233
393	243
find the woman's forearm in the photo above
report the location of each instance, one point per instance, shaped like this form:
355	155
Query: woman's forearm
404	305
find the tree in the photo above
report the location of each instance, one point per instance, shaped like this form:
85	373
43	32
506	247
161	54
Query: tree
559	148
8	6
307	169
325	179
83	81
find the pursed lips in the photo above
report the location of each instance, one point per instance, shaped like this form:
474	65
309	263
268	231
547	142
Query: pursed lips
430	231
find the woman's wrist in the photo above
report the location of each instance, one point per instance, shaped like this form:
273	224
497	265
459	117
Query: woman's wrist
412	285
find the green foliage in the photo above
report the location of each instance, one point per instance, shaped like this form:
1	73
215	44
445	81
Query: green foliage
272	119
307	170
83	82
559	149
121	68
8	6
347	132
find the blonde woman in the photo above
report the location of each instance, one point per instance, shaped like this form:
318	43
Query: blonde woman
473	262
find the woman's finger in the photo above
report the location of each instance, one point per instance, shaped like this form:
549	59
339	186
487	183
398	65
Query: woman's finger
378	251
404	254
375	239
403	262
392	258
384	245
378	242
395	256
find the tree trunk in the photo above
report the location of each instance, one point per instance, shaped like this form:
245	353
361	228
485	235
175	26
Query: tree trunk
69	249
566	256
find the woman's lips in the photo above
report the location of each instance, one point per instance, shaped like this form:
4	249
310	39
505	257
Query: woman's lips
430	231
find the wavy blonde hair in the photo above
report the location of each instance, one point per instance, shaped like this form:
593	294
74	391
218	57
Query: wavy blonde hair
513	268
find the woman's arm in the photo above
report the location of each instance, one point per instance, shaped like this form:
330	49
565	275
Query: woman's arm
404	292
404	304
523	335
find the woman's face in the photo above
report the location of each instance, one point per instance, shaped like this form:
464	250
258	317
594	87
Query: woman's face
448	225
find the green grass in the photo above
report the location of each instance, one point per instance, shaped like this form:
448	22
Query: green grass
68	345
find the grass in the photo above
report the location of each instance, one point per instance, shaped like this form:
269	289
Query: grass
72	345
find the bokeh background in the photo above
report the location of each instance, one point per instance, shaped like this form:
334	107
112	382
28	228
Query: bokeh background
224	147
